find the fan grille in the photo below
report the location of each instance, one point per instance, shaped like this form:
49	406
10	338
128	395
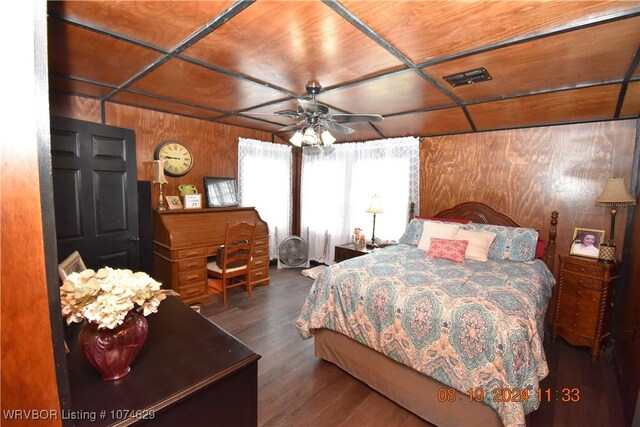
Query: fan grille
293	251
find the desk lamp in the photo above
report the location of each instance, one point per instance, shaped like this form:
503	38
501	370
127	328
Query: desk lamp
158	178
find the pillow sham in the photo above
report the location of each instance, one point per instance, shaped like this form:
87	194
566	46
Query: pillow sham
435	218
413	232
453	250
440	230
510	243
479	243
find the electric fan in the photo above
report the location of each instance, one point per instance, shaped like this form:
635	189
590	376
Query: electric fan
293	253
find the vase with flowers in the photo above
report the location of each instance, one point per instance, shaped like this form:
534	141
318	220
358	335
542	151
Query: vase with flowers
113	303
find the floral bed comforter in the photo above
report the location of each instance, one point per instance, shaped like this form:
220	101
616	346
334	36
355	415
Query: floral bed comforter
477	325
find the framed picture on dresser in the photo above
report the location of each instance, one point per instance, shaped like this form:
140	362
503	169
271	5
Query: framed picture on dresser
586	242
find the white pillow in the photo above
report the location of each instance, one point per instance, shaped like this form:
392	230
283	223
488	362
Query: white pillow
479	242
437	230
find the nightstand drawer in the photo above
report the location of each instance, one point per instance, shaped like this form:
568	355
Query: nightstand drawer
581	280
579	321
593	271
581	293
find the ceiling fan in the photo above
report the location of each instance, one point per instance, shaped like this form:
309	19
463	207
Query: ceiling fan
315	121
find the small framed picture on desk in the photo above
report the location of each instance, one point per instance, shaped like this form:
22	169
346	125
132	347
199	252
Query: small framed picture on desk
173	202
193	201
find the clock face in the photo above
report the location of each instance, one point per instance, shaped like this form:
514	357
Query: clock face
177	157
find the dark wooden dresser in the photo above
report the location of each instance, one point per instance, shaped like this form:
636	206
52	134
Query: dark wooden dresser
189	373
583	305
184	239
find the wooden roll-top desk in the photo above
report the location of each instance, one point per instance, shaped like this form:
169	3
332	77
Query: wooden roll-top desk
184	239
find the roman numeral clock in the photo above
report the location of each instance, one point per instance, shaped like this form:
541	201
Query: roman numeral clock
177	157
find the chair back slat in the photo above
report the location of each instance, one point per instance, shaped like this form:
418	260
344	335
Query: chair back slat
239	240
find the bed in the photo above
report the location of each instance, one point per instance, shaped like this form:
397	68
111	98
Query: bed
446	348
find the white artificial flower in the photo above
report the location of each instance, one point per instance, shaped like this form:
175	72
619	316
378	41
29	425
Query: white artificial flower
107	296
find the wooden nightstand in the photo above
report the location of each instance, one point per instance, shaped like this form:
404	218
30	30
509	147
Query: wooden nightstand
583	306
350	250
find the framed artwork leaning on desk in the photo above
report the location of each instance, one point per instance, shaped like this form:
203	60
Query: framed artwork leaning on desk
193	201
173	202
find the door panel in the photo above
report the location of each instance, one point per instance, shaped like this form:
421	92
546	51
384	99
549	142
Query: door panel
95	193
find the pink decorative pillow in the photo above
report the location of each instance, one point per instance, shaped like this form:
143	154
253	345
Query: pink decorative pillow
453	250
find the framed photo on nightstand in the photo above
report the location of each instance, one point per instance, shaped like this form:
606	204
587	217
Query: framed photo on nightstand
586	242
192	201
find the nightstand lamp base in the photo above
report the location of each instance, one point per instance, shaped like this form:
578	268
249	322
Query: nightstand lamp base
607	253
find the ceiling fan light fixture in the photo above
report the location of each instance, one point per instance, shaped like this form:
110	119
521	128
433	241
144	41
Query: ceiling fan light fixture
310	137
296	139
327	138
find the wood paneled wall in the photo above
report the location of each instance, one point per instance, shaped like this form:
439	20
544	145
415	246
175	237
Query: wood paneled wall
214	146
528	173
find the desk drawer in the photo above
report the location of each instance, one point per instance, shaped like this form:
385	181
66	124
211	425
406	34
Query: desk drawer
192	253
259	263
191	264
191	291
259	275
261	241
191	277
260	251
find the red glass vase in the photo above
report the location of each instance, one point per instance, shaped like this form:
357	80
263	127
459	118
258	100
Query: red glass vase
112	351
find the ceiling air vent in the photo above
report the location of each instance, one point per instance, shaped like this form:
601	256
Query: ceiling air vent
468	77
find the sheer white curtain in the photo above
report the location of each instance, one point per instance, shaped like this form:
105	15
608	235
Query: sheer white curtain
264	181
337	186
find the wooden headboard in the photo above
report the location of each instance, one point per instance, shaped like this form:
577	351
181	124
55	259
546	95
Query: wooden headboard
484	214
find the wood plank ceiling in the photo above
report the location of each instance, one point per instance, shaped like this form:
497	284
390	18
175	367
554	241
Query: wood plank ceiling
551	62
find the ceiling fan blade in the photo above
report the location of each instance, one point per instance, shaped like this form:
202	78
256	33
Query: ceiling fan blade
331	125
294	126
312	107
350	118
287	113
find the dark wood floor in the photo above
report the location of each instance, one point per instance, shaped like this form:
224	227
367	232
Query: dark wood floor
297	389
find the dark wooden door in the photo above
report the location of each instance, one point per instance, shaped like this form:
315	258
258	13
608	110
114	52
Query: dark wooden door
95	193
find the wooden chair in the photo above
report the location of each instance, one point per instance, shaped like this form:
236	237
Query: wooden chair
232	267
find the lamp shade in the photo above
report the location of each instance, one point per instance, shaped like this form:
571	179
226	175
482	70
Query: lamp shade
615	194
376	206
296	139
310	137
158	172
327	138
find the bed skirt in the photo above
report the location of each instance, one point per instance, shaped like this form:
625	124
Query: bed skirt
405	386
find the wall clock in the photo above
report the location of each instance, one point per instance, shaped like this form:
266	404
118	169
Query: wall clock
177	157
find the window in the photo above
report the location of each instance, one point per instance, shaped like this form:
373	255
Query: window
264	181
337	185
